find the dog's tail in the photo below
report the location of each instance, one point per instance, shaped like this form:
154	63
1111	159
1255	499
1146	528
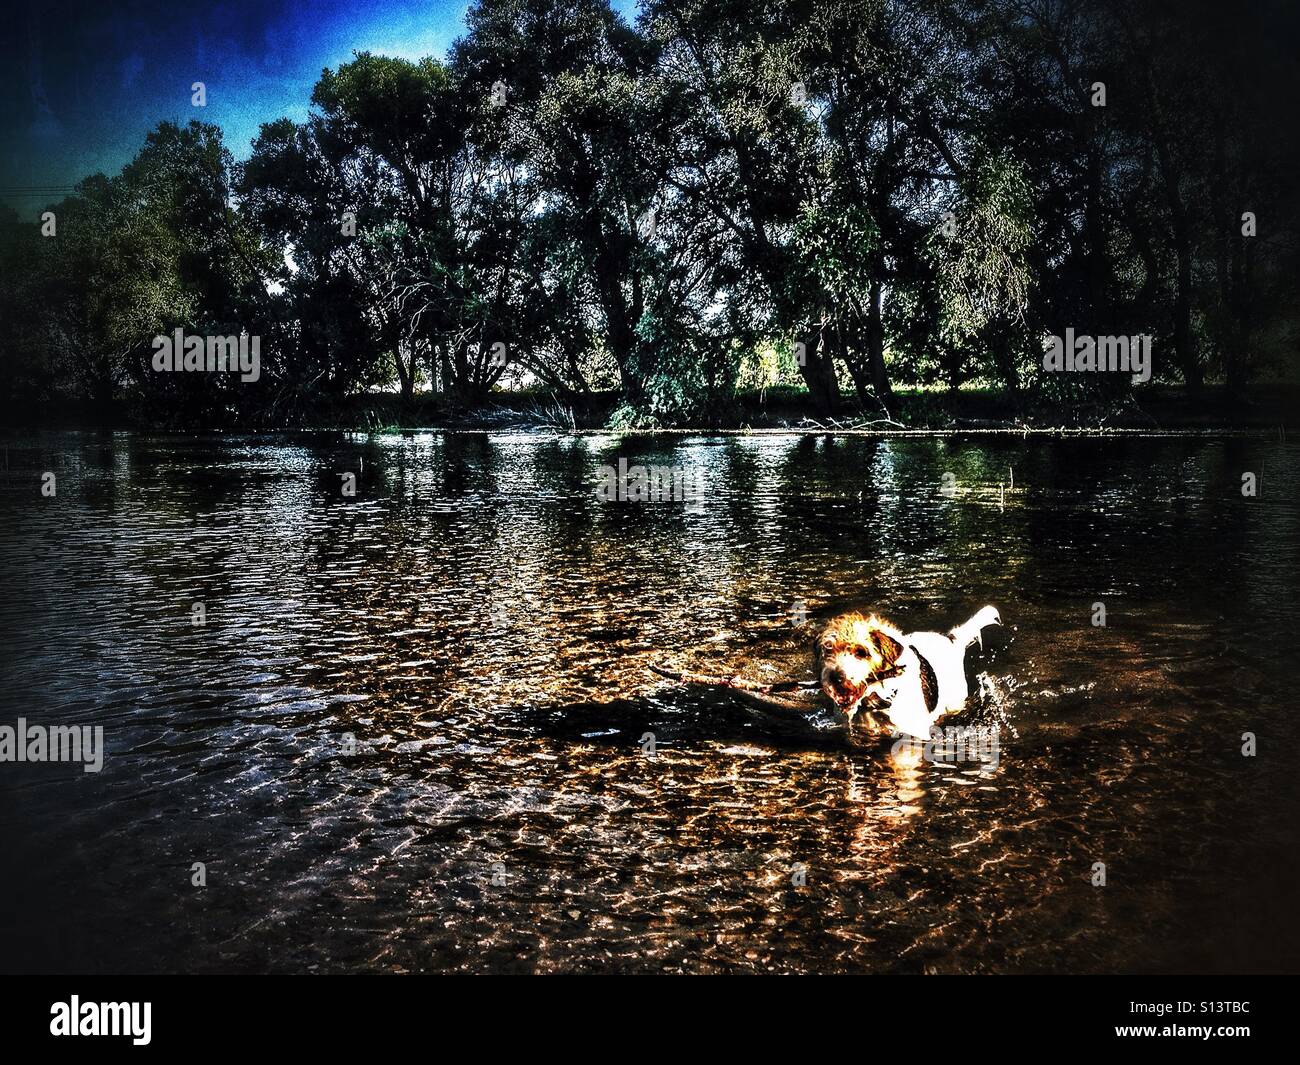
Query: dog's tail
968	632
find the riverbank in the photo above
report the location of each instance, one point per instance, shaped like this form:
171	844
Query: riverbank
1161	408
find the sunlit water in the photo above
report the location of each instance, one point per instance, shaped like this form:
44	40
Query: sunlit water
394	691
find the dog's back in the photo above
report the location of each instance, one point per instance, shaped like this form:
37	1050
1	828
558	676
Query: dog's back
948	660
946	655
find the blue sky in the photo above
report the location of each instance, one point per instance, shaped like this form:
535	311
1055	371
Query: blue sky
82	83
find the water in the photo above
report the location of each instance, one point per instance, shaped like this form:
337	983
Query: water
394	691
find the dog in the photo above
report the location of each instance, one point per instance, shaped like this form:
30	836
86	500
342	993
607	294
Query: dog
903	682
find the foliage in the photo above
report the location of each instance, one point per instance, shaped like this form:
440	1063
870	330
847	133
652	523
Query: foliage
910	191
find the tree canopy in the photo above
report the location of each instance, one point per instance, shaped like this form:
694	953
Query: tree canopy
854	195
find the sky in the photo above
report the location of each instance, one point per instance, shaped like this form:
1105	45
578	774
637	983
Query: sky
82	83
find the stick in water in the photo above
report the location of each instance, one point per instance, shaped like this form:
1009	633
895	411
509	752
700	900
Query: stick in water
735	682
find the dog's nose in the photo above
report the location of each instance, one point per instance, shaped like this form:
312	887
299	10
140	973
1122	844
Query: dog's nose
837	675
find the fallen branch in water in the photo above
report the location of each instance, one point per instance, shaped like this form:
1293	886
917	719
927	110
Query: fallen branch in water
736	682
765	695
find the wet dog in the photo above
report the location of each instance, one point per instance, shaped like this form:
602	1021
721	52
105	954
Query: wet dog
903	682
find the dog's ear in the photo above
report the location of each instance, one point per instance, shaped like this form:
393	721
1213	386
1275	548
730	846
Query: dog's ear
890	648
819	641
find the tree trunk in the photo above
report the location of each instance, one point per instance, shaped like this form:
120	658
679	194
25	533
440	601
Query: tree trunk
1097	262
876	343
405	378
850	345
818	370
1184	347
1237	359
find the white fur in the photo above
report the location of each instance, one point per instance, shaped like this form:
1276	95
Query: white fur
947	656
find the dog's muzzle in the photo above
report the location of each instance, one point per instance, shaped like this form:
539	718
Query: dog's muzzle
837	688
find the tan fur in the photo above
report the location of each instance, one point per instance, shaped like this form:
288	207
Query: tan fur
852	652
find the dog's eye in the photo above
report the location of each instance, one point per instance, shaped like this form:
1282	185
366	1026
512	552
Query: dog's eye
859	652
828	645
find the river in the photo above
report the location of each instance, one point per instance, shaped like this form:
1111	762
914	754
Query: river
413	728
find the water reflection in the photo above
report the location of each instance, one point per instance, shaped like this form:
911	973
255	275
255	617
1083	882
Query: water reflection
395	690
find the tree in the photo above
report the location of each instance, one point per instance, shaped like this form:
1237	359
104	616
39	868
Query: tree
156	248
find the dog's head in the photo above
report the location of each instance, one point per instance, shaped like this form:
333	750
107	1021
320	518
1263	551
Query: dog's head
854	654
